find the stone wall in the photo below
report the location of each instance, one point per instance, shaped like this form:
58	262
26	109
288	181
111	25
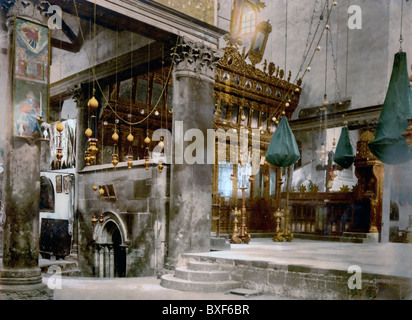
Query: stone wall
309	283
140	209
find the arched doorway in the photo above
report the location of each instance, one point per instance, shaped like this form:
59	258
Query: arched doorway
119	255
110	250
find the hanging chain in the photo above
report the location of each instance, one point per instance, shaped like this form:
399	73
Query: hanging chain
401	34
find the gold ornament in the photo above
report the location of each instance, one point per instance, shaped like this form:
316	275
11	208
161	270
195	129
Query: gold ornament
101	191
59	154
115	136
101	219
94	221
147	140
59	127
160	167
115	160
130	138
92	148
129	161
95	188
87	158
93	104
88	132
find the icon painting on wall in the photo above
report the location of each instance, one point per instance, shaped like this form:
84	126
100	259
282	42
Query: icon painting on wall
31	77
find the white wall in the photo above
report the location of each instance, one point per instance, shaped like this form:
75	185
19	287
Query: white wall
63	201
369	51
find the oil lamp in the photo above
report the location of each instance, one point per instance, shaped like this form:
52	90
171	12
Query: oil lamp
101	219
92	149
94	221
115	160
146	159
87	158
129	161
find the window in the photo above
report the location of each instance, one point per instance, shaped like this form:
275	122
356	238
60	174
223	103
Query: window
243	175
234	118
142	89
223	111
248	22
273	177
225	184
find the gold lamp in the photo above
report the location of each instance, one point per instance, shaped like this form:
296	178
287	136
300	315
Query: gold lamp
94	221
115	160
101	219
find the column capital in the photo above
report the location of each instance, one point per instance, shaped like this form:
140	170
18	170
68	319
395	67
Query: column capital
77	94
34	10
195	59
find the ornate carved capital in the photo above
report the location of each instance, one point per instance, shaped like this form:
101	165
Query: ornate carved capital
77	94
196	58
31	9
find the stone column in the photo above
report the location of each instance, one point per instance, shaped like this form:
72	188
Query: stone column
191	184
20	276
77	94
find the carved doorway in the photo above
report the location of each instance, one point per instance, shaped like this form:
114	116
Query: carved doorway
110	251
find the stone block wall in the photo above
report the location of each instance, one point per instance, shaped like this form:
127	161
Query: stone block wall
139	209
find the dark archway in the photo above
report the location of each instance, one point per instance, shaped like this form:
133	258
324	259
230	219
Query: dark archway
119	254
46	195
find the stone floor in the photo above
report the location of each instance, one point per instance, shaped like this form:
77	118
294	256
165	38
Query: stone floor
393	259
387	259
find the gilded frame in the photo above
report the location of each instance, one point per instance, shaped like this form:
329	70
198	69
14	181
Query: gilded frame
260	39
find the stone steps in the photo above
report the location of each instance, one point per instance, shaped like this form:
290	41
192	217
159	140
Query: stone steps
204	277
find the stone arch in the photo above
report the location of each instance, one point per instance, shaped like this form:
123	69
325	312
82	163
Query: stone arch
47	197
111	247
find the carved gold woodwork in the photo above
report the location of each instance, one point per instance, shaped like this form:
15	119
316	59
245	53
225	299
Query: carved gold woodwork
370	173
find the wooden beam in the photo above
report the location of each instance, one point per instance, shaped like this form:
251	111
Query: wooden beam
146	18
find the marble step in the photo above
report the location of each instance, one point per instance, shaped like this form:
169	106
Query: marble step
169	281
355	235
203	266
194	275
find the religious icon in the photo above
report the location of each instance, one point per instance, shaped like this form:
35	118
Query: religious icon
59	184
27	113
31	77
66	184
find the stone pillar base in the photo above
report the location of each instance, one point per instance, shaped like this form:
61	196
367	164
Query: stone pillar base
23	285
25	292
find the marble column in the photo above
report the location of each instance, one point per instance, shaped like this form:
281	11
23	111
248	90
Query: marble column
20	275
191	184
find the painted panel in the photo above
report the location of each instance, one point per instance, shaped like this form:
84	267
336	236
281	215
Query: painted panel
30	76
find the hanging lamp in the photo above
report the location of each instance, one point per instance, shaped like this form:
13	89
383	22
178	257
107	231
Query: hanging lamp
344	155
283	150
390	144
